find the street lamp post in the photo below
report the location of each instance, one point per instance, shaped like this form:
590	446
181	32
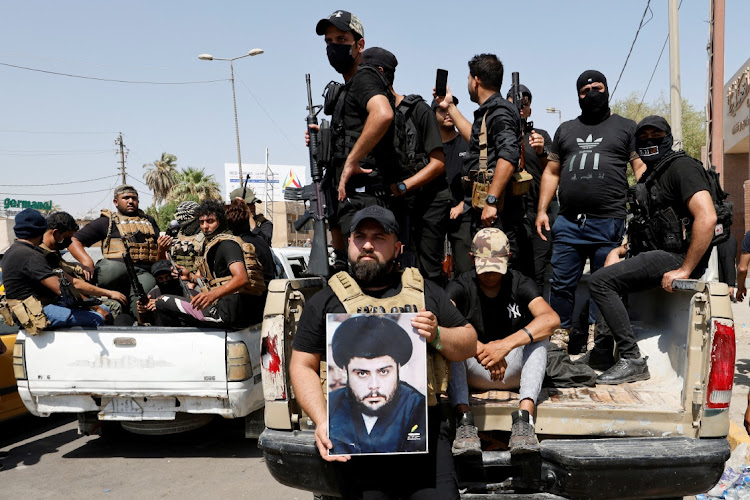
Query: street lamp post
209	57
559	113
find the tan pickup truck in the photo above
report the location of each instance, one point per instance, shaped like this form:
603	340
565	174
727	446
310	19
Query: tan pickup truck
665	437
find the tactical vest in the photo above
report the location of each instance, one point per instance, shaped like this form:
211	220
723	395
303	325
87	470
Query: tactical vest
416	157
409	300
113	248
255	284
344	136
656	225
187	249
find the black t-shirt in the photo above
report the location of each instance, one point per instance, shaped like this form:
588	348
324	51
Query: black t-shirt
455	151
364	85
593	162
24	267
533	165
682	179
263	253
97	230
503	141
311	329
221	256
425	122
264	228
507	312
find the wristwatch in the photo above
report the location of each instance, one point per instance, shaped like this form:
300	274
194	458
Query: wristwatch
401	188
491	199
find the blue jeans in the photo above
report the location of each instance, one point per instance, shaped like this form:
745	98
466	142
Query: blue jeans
59	316
572	243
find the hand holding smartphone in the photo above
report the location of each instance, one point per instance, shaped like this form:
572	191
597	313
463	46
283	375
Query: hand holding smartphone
441	82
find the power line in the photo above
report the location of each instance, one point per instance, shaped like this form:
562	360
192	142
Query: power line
57	194
60	183
138	181
80	61
55	152
58	133
110	79
641	25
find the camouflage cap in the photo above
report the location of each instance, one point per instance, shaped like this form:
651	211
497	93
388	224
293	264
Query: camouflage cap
125	188
343	20
491	250
249	196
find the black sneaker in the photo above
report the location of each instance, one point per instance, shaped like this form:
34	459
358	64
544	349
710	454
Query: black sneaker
597	360
522	435
625	370
467	441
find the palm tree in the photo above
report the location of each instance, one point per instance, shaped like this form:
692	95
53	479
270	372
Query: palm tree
161	176
195	182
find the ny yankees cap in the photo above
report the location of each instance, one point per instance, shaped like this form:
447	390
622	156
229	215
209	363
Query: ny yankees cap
343	20
491	250
381	215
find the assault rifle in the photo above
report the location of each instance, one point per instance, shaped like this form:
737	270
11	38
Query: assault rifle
185	289
70	296
518	101
313	194
244	187
133	276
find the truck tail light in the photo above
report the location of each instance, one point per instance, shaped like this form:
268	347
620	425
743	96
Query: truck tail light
19	368
721	371
238	362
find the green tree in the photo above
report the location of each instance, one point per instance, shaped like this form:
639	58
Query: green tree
194	182
165	213
693	120
161	176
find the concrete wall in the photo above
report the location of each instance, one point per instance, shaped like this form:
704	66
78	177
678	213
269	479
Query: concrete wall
6	233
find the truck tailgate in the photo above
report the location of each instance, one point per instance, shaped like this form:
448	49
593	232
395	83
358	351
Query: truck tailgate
117	361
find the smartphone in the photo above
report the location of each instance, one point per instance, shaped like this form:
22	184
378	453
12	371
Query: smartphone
441	82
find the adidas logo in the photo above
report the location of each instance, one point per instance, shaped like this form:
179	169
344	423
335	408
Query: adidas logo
589	143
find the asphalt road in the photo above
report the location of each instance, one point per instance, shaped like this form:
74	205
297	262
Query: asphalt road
48	459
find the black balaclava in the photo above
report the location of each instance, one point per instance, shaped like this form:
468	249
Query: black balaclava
340	56
594	105
654	150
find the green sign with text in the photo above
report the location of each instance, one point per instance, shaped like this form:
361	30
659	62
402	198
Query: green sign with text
38	205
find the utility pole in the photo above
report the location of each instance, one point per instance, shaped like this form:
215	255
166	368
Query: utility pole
269	190
675	94
715	108
118	142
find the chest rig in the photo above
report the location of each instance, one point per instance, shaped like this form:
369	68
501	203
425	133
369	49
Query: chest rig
128	227
187	249
255	284
409	300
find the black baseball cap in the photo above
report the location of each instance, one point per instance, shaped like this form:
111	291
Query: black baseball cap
524	91
434	104
379	214
161	266
343	20
377	56
655	121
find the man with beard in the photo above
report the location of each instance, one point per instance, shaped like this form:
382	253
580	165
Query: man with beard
499	123
669	236
376	412
588	160
375	283
128	223
364	161
232	292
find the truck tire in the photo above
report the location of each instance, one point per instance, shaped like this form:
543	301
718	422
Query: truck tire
182	422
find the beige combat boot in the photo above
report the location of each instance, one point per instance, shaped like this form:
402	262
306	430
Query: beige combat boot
560	338
592	335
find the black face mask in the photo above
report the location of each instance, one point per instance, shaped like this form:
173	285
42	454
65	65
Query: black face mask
340	57
594	105
62	245
171	287
653	150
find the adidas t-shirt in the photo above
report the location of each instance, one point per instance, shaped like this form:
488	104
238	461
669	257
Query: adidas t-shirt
593	162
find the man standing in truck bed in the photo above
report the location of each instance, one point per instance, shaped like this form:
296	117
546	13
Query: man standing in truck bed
375	281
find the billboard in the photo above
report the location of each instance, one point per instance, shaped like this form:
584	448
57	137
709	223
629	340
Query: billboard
278	178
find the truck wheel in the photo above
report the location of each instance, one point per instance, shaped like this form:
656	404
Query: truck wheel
182	422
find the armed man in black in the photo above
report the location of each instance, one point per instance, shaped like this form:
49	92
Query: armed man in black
670	234
375	282
127	222
364	161
498	124
422	195
536	142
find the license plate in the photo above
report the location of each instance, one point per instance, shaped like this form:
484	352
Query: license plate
121	407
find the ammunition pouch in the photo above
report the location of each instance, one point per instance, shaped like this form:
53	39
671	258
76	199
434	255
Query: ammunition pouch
331	96
129	227
663	230
30	314
5	313
325	144
409	299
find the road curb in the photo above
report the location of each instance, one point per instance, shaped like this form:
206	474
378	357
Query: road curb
737	435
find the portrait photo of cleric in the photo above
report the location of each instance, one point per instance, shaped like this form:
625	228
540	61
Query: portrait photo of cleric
382	406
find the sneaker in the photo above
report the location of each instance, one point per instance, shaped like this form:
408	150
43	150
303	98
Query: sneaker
467	441
625	370
597	360
560	338
522	435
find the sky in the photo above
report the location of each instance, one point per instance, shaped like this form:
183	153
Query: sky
58	131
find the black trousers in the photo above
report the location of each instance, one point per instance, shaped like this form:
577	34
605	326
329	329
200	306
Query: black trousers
459	236
542	251
429	476
641	272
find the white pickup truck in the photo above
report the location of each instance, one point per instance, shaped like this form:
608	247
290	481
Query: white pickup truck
152	380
